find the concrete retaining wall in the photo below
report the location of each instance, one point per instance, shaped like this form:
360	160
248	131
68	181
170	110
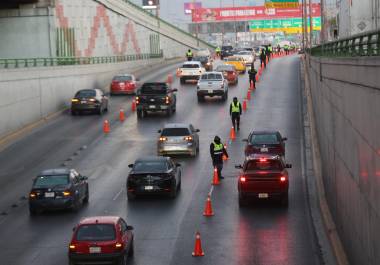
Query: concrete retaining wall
346	98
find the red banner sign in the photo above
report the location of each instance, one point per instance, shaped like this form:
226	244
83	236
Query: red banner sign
249	13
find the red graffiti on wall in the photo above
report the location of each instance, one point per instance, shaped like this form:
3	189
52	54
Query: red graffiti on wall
101	16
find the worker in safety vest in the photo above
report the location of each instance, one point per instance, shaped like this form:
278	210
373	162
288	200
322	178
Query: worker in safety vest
252	74
189	55
218	51
286	48
217	151
269	51
235	112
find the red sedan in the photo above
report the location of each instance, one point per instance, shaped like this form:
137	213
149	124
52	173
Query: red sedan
263	177
101	240
124	84
229	73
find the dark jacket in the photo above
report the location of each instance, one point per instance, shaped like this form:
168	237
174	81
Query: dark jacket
252	73
217	158
239	105
263	56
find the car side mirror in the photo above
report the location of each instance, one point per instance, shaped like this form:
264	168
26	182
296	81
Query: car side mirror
84	178
174	90
130	165
238	166
197	130
178	165
284	138
159	131
245	140
288	165
129	227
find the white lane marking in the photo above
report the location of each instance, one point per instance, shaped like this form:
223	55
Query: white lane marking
118	194
211	190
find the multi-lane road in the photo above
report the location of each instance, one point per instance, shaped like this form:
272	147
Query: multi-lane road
164	229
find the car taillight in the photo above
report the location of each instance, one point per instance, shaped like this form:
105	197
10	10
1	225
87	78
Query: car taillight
263	160
283	179
167	100
72	247
118	245
243	179
188	138
32	195
163	139
137	99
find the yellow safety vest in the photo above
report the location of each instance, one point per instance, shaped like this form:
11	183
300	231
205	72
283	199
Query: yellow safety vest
235	108
218	149
189	54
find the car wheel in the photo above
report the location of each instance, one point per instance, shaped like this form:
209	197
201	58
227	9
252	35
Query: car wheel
33	211
194	153
242	201
76	205
179	185
131	196
285	201
100	111
182	80
71	263
169	112
131	251
140	114
87	197
123	260
74	112
201	98
173	192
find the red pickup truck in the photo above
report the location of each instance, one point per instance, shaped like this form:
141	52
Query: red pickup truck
263	177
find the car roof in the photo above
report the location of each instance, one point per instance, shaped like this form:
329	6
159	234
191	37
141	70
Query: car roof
212	72
100	220
152	158
55	171
191	62
176	125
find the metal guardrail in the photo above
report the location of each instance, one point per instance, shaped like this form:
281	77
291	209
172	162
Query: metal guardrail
61	61
168	24
366	44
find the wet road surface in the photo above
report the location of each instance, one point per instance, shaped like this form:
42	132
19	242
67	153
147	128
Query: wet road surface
164	229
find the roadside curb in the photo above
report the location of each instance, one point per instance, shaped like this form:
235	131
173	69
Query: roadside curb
6	139
327	220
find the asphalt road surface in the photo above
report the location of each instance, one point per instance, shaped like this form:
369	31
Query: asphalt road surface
164	229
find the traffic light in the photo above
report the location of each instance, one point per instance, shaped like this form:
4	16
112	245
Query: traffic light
150	4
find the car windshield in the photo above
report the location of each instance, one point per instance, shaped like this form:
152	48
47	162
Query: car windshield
211	76
264	139
87	93
150	166
51	180
96	232
201	58
123	78
264	164
175	132
221	68
195	65
154	89
245	53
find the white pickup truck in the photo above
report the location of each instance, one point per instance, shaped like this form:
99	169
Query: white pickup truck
191	70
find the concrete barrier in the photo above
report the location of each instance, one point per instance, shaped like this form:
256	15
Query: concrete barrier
346	101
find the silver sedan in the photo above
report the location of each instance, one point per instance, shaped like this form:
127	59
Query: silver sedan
178	138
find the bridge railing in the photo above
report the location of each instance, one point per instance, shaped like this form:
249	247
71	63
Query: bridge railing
365	44
61	61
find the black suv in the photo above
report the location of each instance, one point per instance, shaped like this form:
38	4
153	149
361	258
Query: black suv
155	97
226	51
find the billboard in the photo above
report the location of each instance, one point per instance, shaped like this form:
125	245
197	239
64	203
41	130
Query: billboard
281	3
249	13
287	25
188	7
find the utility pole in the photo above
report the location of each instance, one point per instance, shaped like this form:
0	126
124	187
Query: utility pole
236	37
196	25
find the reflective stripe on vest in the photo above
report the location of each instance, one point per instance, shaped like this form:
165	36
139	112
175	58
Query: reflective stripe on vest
235	108
189	54
218	149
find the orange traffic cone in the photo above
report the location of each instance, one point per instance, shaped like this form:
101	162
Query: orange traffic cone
134	105
198	252
224	157
106	127
208	207
257	78
121	115
232	133
248	94
215	179
244	105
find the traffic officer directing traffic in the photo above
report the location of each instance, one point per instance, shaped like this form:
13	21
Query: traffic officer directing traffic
189	55
217	151
235	112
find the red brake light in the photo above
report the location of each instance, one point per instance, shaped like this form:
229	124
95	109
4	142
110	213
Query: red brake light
263	160
242	179
283	179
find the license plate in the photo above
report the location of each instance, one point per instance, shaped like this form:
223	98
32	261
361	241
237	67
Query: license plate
210	91
148	187
49	194
95	250
152	106
263	195
83	102
264	149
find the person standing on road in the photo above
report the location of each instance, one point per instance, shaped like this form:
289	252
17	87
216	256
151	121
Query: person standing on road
235	112
263	58
189	55
217	151
218	51
269	51
252	75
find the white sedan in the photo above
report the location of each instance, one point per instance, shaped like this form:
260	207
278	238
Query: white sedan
247	56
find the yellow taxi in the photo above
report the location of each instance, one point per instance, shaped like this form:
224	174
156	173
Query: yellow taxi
238	62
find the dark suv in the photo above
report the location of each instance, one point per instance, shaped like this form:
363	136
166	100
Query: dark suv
156	97
227	50
265	142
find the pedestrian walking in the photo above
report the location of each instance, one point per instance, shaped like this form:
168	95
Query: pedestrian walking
263	58
252	75
235	112
217	151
